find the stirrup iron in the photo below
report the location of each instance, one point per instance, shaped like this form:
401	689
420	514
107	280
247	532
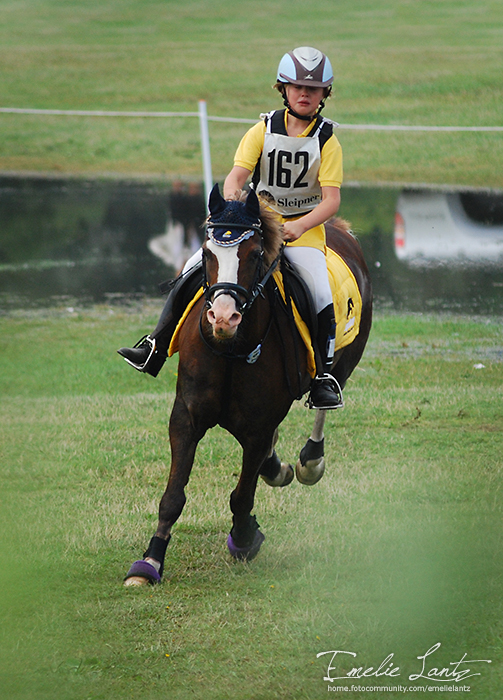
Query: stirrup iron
146	340
335	386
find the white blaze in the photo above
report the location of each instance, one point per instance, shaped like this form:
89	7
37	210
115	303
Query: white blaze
228	261
223	314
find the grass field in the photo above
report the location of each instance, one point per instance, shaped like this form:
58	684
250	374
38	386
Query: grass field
398	548
396	62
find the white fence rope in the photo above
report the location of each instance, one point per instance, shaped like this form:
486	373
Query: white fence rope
233	120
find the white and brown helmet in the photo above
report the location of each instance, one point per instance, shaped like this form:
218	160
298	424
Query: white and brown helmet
305	66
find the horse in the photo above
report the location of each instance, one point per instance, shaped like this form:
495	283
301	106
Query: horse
241	366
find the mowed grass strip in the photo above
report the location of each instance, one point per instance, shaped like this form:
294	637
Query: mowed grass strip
428	63
397	548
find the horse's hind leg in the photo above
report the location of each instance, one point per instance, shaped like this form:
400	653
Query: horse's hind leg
275	472
311	464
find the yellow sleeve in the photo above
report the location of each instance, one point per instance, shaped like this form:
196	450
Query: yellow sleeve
250	147
330	173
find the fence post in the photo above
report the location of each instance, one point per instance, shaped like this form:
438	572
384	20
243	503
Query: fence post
205	146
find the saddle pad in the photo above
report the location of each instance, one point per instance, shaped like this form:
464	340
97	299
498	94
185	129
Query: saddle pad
173	346
347	307
347	300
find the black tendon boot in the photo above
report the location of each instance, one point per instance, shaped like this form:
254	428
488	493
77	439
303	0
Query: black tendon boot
150	352
325	390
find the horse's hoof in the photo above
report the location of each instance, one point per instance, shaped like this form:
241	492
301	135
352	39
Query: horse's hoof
284	477
310	472
246	553
136	581
142	573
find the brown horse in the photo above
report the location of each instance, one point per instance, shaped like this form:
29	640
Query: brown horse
241	366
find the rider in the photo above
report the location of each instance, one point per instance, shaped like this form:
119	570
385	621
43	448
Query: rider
296	162
297	171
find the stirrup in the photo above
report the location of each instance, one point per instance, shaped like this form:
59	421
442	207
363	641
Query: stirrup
146	340
338	402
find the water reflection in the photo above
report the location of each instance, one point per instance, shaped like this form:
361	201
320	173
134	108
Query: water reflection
436	228
183	233
87	241
79	242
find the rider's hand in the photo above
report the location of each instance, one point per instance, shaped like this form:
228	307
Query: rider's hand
292	230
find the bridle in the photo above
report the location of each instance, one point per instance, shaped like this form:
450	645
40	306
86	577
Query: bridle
237	291
243	297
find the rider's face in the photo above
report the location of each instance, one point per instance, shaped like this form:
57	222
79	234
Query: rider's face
304	99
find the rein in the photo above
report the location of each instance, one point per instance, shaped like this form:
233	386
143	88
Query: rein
251	295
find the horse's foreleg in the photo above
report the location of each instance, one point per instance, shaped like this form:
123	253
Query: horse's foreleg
184	440
245	537
311	464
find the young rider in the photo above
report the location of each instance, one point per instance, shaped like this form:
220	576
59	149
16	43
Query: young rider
297	171
296	163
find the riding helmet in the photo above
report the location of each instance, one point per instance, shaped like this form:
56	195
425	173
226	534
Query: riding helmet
305	66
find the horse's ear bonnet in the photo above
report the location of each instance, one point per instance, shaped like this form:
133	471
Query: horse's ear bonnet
231	222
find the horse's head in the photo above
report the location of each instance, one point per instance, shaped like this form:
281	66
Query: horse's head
234	254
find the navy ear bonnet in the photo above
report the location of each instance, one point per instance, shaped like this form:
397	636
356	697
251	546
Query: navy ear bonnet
232	222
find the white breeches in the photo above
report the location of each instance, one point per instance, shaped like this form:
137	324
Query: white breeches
311	265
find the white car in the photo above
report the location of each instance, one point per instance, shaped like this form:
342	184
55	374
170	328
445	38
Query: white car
434	227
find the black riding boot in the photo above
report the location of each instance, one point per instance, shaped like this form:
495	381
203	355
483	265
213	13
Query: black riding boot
150	352
325	390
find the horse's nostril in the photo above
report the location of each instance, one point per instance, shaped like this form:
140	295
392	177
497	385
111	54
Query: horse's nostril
211	316
235	319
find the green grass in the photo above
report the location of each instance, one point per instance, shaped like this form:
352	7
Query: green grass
397	548
396	62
